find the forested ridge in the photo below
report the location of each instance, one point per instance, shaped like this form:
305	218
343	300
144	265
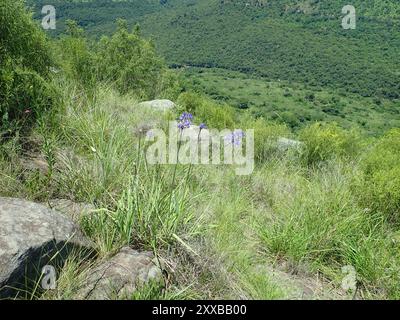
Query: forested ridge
299	41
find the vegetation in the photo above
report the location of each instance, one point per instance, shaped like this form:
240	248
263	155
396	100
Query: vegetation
294	104
25	91
303	214
296	41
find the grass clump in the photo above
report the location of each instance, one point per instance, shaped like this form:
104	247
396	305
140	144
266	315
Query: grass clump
317	222
149	214
379	184
324	141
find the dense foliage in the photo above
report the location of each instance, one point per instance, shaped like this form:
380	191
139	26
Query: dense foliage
380	186
300	41
124	60
25	61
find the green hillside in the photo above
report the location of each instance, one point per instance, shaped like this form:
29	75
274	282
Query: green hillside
299	41
294	104
317	214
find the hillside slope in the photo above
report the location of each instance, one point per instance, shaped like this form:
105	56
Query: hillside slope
300	41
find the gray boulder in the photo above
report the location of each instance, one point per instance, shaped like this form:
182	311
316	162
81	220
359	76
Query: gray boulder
285	144
31	237
162	105
35	163
73	210
121	275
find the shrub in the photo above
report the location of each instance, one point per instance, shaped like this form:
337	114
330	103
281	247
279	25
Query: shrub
24	97
125	60
379	185
169	85
21	39
324	141
25	62
77	59
130	62
290	119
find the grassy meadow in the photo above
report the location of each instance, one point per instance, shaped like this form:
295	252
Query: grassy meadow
294	104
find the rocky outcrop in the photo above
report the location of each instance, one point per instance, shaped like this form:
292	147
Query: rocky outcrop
73	210
285	144
162	105
35	162
120	276
31	237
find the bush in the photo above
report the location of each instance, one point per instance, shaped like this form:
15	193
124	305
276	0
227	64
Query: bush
25	62
130	62
169	85
77	60
24	97
125	60
21	39
325	141
379	185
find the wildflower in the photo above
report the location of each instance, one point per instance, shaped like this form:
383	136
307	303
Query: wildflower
186	116
185	120
150	134
203	126
235	138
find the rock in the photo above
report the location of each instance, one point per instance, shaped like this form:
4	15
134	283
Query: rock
121	275
72	209
35	163
162	105
285	144
32	236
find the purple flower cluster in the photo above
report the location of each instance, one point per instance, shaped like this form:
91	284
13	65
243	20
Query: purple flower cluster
185	120
150	134
235	138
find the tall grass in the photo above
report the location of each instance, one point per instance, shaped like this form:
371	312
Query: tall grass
228	232
101	161
316	221
149	214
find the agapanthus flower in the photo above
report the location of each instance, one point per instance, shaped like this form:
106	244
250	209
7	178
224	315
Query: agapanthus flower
185	120
150	134
186	116
235	138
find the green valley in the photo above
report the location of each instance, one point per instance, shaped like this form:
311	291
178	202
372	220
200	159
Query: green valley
298	43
